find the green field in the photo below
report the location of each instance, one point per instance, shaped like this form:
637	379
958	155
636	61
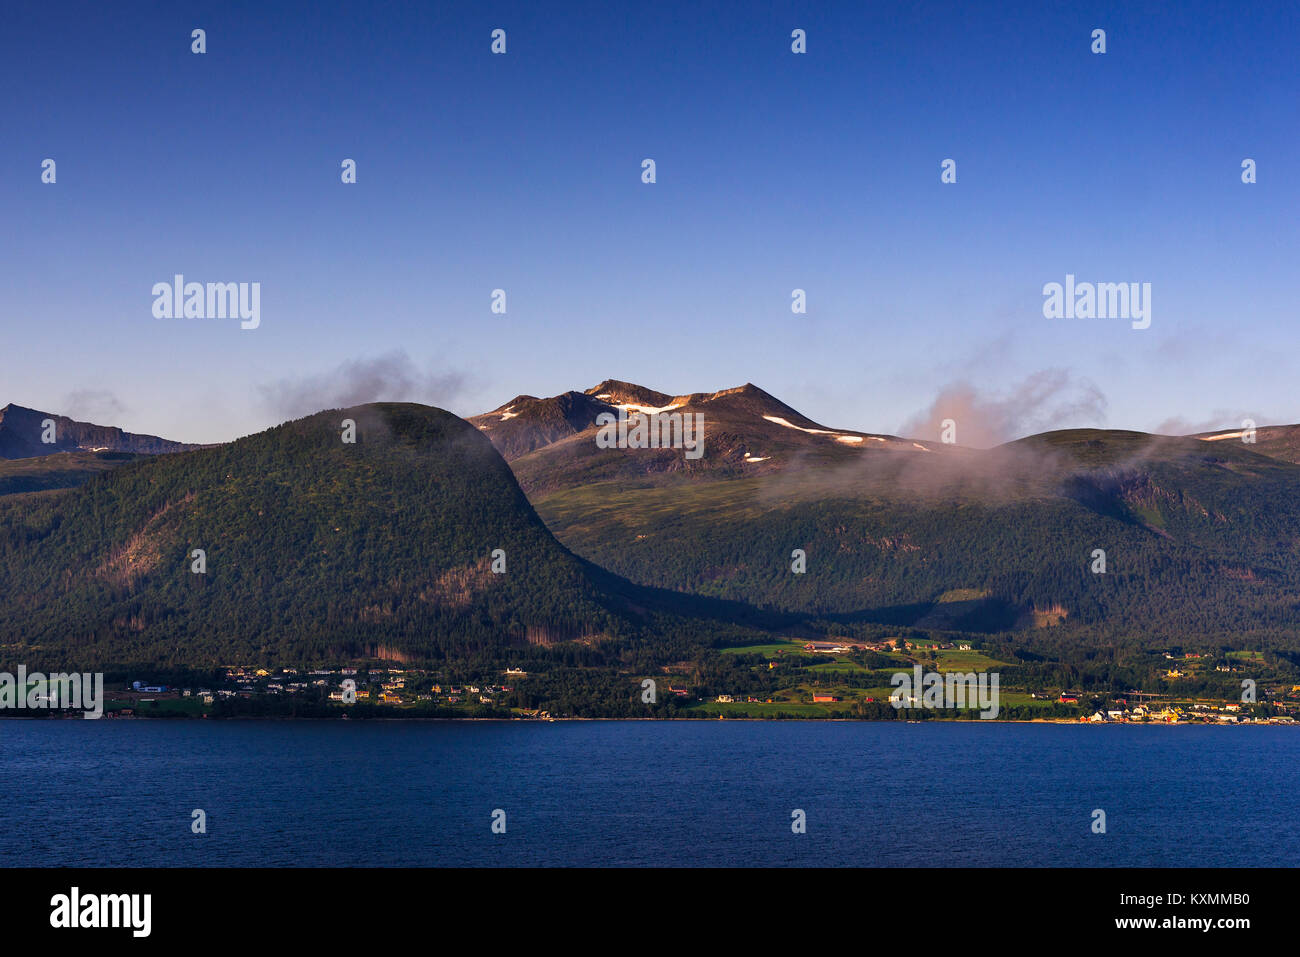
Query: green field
838	666
954	660
769	649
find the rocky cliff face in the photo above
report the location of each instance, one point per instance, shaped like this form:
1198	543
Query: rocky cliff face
24	434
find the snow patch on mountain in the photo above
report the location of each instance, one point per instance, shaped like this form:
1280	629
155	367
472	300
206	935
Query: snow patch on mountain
648	409
790	425
844	437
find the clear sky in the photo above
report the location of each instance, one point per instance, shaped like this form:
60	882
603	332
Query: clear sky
775	171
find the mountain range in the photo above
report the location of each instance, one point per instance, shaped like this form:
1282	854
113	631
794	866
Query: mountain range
1200	533
551	442
318	548
40	451
26	433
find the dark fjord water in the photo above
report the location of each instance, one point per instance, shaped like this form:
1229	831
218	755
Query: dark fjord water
121	793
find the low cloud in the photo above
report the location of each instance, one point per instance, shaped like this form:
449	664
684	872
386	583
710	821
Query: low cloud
388	378
1050	399
1218	421
92	405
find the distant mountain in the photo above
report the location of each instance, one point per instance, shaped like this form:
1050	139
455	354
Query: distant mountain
551	443
79	452
526	423
22	431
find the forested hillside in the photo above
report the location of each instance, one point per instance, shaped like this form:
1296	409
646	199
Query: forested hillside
1200	538
314	549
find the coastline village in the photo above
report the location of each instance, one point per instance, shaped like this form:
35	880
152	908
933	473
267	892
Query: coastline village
818	690
395	687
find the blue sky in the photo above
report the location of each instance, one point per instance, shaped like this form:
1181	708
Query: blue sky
775	171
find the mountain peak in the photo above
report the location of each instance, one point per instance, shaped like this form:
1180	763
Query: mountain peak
617	392
749	430
23	435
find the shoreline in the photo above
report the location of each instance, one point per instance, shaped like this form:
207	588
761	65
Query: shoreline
711	720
